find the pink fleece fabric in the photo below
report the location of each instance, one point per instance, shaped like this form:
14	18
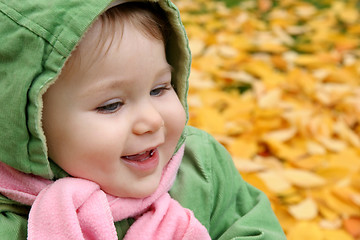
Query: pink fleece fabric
74	208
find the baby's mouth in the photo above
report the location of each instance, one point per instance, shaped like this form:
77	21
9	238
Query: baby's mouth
140	157
146	161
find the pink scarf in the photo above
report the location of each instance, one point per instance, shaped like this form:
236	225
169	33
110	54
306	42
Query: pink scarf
74	208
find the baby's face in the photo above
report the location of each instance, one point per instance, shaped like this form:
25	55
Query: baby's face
114	117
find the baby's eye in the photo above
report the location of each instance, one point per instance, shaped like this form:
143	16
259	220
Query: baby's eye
159	90
110	107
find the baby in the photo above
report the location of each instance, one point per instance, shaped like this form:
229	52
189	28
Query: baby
113	116
100	125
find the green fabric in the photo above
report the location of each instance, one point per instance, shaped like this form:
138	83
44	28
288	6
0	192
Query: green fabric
37	37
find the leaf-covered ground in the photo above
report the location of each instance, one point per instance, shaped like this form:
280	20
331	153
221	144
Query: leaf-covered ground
278	83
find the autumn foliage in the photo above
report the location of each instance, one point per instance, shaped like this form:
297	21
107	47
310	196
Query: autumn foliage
278	84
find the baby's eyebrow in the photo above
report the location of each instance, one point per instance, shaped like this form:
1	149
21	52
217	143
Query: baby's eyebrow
119	83
103	87
165	70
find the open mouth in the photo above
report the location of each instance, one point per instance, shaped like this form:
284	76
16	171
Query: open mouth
140	157
144	161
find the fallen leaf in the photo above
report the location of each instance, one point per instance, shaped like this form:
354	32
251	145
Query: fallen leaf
352	225
274	181
305	210
304	179
314	148
336	234
247	166
243	148
305	230
332	144
330	224
281	135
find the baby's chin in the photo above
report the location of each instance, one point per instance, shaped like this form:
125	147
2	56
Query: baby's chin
136	192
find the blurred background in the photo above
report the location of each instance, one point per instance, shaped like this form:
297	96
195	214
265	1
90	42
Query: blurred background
278	84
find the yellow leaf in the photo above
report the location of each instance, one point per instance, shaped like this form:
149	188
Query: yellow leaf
270	99
352	225
349	15
304	179
275	181
257	182
284	151
258	68
312	162
347	194
272	48
327	213
210	120
240	42
333	173
279	62
246	165
282	135
343	76
290	196
308	60
301	81
227	51
320	127
305	210
274	80
336	234
200	80
330	224
283	36
338	205
264	124
305	230
243	148
286	220
332	144
345	43
348	158
346	133
197	46
305	11
355	181
315	148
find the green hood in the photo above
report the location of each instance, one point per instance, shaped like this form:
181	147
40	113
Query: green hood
37	37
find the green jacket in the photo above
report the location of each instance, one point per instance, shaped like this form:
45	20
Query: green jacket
37	37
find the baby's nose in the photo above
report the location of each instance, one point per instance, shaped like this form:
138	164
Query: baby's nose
148	120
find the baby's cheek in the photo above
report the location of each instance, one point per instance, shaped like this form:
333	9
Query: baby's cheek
179	121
